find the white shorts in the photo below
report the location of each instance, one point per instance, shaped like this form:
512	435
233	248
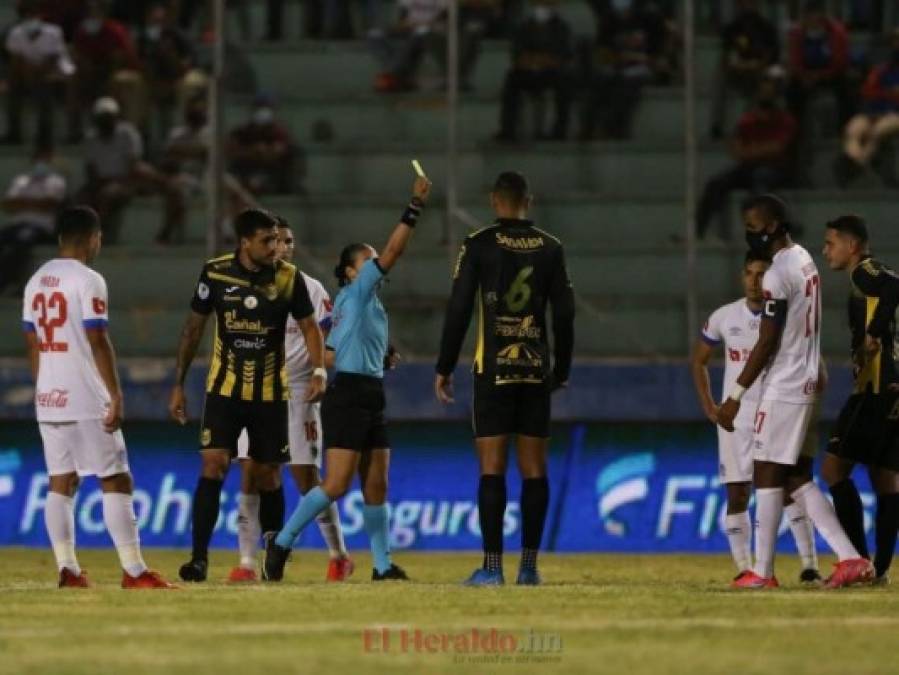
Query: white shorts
84	447
783	432
304	432
735	450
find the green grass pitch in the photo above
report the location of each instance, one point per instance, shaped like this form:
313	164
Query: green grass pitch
595	614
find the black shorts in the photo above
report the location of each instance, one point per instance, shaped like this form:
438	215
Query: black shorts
265	421
353	413
867	431
504	409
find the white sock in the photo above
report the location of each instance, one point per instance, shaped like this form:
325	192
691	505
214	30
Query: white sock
738	528
769	508
329	524
59	516
804	533
825	519
118	514
248	529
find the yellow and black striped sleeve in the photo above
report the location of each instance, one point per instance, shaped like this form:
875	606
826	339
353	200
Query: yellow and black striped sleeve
878	281
459	308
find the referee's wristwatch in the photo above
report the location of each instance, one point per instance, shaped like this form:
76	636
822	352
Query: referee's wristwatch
320	372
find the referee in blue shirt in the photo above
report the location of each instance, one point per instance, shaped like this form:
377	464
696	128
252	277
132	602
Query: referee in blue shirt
355	431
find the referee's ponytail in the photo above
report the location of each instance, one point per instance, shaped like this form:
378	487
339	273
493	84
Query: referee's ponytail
347	259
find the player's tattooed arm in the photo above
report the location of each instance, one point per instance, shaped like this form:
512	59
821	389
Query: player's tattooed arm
191	334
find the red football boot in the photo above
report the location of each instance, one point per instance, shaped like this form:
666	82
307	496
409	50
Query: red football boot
340	569
68	579
753	581
147	579
849	572
241	575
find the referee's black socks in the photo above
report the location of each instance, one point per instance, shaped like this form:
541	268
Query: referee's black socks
271	509
207	497
491	510
885	531
848	505
534	505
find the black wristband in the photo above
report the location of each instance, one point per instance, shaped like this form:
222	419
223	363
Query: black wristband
412	212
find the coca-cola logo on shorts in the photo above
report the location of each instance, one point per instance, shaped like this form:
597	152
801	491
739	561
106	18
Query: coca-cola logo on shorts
56	398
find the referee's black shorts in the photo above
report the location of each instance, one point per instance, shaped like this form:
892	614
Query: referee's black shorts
867	431
353	413
265	421
505	409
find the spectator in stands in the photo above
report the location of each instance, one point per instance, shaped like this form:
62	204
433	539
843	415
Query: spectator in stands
262	154
762	147
38	71
750	46
31	202
878	122
629	54
115	172
187	158
106	61
542	53
818	61
67	14
167	56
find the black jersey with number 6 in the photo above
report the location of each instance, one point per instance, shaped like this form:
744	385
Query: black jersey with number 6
511	271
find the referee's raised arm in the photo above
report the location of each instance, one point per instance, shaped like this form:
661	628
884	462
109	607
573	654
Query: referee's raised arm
401	235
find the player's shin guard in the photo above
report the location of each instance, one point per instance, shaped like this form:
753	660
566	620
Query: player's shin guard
492	508
804	534
59	516
248	530
207	498
848	505
313	502
825	520
118	515
738	528
769	506
374	518
329	524
886	524
271	509
534	504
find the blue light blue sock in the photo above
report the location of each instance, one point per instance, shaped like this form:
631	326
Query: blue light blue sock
314	502
375	520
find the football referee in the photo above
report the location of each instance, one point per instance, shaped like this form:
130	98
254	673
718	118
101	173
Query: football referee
510	271
251	292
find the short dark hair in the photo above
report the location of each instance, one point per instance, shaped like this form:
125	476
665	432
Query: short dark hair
854	226
282	222
512	186
756	256
76	224
772	206
248	222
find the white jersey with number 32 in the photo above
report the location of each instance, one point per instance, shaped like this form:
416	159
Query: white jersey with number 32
63	300
792	375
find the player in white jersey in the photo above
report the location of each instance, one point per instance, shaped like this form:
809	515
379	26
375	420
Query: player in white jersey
304	434
789	352
735	326
79	400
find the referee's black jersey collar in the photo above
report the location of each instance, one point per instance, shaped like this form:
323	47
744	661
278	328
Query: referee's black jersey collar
514	222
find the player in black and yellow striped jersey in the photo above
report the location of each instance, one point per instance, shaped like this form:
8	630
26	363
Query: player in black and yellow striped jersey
250	292
512	271
867	431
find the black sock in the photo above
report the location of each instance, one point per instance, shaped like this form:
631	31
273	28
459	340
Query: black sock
848	505
492	508
271	509
534	504
886	525
207	497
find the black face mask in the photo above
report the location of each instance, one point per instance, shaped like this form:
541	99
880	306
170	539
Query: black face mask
760	242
